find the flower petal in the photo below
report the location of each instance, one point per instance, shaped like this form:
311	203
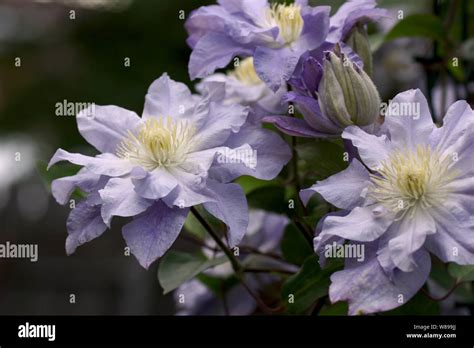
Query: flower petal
166	97
155	184
84	224
104	164
309	107
105	127
214	50
230	206
363	224
408	120
218	124
191	189
453	240
120	199
294	126
62	188
459	120
368	289
267	156
153	232
373	150
275	66
407	236
344	190
315	28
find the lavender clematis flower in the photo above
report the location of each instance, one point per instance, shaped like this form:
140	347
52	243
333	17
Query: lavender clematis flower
274	35
264	233
243	86
412	195
183	151
351	13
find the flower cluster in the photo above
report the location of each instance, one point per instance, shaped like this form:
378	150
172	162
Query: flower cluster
185	150
406	194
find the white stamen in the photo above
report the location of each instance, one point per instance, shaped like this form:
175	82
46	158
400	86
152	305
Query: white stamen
288	19
409	179
160	142
245	72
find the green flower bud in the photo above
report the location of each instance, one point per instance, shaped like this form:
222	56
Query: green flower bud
346	94
359	42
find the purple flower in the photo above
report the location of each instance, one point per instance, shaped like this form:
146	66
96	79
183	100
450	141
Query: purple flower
264	233
243	86
351	13
332	92
411	195
306	92
183	151
274	35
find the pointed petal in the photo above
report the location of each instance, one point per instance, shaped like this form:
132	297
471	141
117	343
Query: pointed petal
373	150
105	127
230	206
152	233
104	164
369	290
120	199
83	225
344	190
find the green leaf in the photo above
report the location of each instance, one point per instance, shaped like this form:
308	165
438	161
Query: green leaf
249	183
306	286
216	284
418	305
339	308
422	25
270	198
461	273
178	267
294	247
320	159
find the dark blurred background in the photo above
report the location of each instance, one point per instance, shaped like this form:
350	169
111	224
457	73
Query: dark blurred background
83	60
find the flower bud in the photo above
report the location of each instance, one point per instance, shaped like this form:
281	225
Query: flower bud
359	42
346	94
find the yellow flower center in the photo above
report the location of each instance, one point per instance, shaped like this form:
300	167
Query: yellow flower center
410	179
288	19
245	72
159	142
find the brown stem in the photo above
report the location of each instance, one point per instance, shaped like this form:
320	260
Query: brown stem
442	298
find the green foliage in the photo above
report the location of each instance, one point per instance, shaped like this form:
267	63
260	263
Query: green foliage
418	25
216	284
461	273
249	183
339	308
320	159
178	267
294	247
418	305
270	198
306	286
